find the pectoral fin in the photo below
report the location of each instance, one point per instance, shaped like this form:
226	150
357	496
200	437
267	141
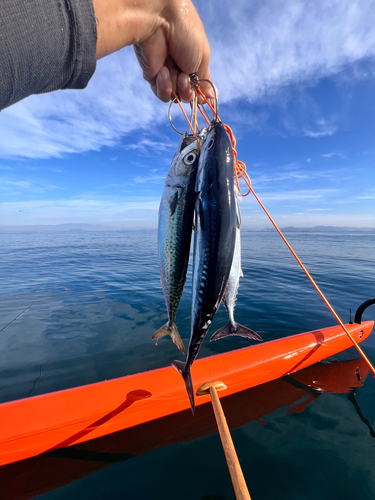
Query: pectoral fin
173	203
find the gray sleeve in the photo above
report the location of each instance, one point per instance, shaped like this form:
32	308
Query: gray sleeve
45	45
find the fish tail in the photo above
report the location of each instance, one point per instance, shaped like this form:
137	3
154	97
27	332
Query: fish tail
235	329
185	372
174	334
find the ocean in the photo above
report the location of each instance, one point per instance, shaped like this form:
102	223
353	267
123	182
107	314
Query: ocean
78	307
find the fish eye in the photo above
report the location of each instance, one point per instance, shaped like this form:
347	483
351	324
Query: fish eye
211	143
190	158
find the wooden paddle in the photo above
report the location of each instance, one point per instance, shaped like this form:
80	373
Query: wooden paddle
234	466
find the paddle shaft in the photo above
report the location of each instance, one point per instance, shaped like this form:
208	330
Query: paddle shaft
234	467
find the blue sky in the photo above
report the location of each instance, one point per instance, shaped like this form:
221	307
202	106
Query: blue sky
296	82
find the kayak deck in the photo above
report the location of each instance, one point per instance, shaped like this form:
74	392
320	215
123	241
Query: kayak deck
51	421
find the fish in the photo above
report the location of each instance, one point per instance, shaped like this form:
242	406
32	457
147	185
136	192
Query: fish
231	290
176	215
214	239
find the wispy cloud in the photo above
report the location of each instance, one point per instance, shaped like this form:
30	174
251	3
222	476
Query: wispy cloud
9	184
299	174
330	155
150	178
88	210
147	146
117	101
322	128
318	209
266	45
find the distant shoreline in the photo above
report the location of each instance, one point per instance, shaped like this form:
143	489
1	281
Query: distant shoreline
95	228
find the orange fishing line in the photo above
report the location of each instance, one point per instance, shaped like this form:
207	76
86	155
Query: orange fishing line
187	119
315	285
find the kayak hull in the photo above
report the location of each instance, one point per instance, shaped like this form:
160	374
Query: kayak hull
56	420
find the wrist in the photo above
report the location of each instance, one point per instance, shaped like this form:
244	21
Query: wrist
125	22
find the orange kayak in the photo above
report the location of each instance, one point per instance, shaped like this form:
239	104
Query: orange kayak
56	420
43	473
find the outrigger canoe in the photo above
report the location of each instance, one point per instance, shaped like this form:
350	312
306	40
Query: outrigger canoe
46	423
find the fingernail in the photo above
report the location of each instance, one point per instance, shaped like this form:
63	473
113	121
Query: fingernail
164	73
184	83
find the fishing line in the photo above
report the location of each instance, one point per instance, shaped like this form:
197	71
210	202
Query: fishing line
176	99
15	318
315	285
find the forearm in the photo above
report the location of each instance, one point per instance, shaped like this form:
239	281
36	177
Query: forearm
45	45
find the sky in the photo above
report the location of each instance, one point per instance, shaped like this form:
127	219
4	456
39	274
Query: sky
296	81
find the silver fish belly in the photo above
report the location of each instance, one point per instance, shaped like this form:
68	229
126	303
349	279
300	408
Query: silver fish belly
230	296
176	215
214	239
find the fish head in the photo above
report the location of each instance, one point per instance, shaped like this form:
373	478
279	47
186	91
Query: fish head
216	156
184	163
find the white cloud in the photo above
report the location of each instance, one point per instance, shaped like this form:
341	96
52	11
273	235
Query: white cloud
322	128
150	178
299	174
257	49
147	146
265	45
117	101
317	209
9	184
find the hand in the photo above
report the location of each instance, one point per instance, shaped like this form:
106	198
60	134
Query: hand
168	38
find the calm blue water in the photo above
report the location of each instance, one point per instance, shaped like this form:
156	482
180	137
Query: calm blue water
86	305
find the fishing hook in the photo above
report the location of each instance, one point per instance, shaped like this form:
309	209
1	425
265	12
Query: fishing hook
174	101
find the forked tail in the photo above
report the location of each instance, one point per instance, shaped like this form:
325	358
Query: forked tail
228	330
186	375
174	334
